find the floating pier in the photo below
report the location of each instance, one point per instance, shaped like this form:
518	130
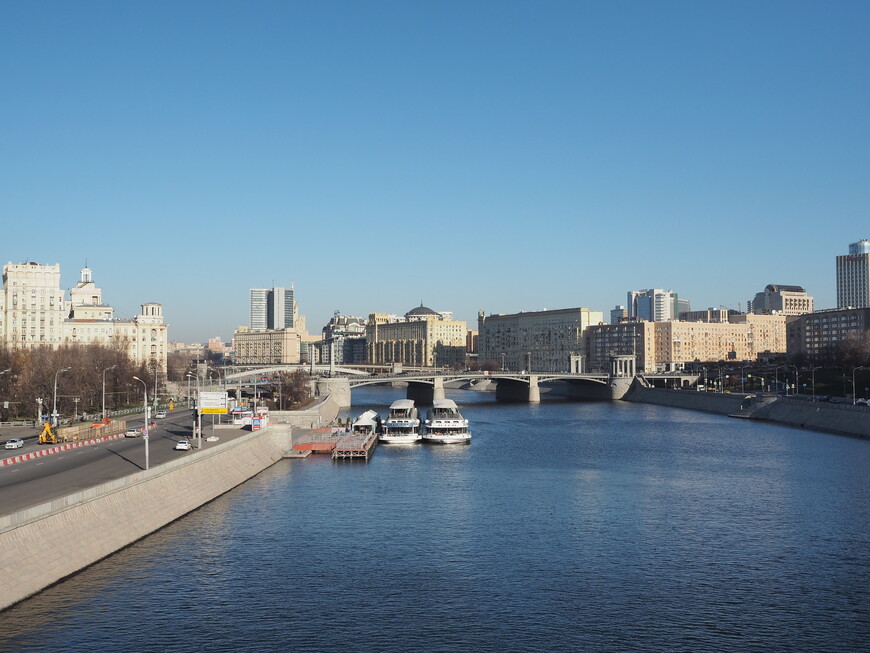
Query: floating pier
340	444
355	445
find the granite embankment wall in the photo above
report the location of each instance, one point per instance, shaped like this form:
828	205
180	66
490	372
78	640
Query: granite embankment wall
44	544
842	419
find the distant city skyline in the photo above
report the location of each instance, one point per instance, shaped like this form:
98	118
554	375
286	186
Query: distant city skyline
497	157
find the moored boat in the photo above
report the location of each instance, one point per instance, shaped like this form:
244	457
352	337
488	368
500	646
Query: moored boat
445	425
402	425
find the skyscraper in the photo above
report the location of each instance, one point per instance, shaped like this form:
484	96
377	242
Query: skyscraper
273	308
853	276
654	305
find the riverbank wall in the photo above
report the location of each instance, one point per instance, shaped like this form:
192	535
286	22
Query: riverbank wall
825	417
44	544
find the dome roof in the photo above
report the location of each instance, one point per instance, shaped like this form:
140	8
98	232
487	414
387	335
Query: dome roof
420	311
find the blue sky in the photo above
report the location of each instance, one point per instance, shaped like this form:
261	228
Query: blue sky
502	156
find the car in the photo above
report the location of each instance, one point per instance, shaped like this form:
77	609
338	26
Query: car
160	414
183	445
14	443
132	433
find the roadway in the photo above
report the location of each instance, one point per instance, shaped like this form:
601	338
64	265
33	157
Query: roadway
36	481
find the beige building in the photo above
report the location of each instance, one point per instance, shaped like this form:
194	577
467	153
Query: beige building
671	345
777	299
539	341
32	307
267	346
34	312
421	338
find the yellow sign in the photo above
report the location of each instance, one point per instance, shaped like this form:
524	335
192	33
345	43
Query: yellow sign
171	405
214	411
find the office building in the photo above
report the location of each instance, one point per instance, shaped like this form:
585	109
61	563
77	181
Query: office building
539	341
655	305
778	299
853	276
818	336
274	308
420	338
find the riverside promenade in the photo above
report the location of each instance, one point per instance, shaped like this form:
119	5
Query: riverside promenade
43	544
795	412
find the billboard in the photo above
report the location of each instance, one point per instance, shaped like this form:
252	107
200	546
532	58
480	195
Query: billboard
213	403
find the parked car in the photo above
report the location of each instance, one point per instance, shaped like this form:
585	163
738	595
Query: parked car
14	443
132	433
160	414
183	445
861	402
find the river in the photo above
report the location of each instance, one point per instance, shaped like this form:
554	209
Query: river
563	526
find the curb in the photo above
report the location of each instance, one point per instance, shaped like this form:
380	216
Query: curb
57	449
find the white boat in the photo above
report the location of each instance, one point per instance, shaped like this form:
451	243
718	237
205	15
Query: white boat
445	425
402	425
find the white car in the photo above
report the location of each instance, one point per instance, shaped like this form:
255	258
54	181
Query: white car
183	445
160	414
14	443
132	433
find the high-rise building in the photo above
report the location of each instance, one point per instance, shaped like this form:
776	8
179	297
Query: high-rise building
853	276
274	308
259	302
655	305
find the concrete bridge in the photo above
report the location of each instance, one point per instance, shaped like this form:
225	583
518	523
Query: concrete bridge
426	385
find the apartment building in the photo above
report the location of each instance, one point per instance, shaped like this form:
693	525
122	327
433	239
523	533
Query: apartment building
540	341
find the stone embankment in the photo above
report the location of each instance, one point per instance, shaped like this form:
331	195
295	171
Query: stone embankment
841	419
43	544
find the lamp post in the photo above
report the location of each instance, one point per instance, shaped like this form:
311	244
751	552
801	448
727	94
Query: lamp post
145	408
189	376
814	380
54	401
854	386
104	389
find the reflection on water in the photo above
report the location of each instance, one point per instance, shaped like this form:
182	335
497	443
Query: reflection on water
563	526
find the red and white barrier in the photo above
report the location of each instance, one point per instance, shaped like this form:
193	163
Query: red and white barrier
57	449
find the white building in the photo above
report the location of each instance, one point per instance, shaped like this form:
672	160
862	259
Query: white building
853	276
655	305
34	312
274	308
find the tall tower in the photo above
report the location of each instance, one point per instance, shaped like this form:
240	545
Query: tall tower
274	308
259	310
853	276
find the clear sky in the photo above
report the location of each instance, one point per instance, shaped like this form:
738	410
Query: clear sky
494	155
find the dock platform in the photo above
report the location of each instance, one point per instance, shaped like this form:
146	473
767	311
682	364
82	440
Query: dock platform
355	446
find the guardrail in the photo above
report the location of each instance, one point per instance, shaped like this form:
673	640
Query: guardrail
30	423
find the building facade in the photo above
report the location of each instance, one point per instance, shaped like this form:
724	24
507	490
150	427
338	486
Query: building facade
655	305
274	308
819	335
267	346
853	276
421	338
34	312
538	341
671	345
344	340
778	299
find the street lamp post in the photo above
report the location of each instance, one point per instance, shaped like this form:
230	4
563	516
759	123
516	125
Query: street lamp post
145	408
854	386
54	401
104	389
814	380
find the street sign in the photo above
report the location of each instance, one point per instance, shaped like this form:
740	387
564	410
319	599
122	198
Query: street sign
213	403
